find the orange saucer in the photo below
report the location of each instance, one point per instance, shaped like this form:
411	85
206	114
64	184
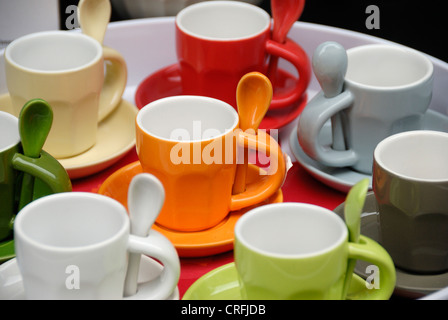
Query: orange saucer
208	242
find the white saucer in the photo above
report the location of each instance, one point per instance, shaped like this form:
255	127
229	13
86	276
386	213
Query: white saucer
11	287
343	179
115	137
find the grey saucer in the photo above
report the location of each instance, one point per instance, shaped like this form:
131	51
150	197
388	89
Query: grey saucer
408	285
343	179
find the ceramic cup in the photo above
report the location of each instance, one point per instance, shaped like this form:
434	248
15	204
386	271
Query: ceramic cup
410	182
218	42
67	70
51	176
291	251
75	245
190	144
386	89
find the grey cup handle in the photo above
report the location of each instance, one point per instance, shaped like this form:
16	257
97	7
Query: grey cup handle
329	66
318	111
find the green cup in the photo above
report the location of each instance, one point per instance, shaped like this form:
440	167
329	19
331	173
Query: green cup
50	176
292	251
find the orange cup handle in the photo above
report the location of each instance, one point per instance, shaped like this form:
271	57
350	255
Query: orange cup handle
271	180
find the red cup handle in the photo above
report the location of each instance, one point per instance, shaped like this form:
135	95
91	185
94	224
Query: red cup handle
292	52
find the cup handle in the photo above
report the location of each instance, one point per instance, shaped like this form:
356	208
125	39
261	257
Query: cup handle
51	176
292	52
370	251
157	246
270	181
114	82
317	112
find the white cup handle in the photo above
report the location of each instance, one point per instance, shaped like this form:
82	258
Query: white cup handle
158	247
318	111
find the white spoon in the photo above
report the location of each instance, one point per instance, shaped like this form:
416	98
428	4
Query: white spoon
146	196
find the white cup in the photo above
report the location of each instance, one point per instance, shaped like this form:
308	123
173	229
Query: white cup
75	245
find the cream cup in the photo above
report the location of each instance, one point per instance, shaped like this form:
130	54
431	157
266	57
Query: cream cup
67	70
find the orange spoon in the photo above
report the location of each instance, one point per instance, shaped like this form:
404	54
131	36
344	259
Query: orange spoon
253	95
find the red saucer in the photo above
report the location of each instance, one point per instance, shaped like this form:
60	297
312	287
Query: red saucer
167	82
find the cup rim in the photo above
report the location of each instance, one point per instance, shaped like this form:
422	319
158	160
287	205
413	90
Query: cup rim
160	104
382	144
28	210
367	47
16	122
20	40
238	4
267	209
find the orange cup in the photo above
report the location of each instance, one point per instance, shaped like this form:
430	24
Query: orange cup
193	145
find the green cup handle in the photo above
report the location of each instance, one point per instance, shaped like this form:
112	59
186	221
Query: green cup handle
370	251
51	176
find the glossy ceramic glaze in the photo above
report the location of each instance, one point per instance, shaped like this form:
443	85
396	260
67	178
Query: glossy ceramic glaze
94	253
212	241
94	16
386	90
344	178
167	82
50	176
146	198
352	213
284	15
410	179
48	71
222	284
190	144
294	251
409	285
218	42
117	127
11	283
253	96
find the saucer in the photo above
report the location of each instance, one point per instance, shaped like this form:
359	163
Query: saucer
343	179
408	285
208	242
7	250
115	137
222	284
11	286
167	82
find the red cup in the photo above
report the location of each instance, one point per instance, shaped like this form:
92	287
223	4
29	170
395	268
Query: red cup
218	42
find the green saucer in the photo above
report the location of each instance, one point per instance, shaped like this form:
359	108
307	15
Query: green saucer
222	284
7	251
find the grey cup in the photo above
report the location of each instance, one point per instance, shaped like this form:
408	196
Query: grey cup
386	90
410	182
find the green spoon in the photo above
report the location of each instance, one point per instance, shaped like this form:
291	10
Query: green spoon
35	120
354	205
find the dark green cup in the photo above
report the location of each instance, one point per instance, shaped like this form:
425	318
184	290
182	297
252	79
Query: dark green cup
50	176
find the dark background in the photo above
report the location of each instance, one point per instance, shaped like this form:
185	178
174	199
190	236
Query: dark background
419	25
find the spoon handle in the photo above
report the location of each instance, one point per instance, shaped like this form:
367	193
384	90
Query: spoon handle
330	66
26	192
240	177
131	280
